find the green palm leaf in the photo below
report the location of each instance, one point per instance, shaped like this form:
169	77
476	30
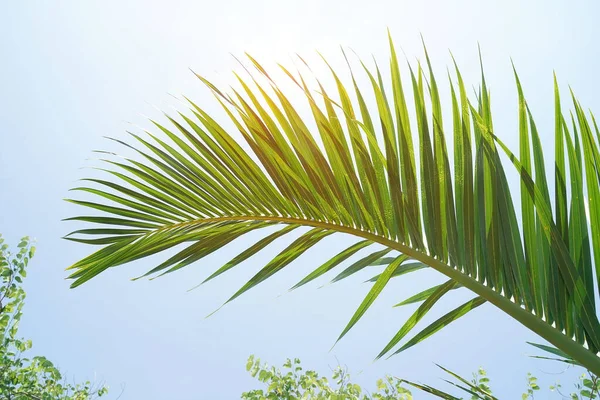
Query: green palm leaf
372	174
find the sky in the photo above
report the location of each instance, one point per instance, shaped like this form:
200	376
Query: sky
73	72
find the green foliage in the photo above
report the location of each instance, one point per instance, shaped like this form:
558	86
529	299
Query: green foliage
588	387
294	383
481	380
478	387
532	387
21	377
422	193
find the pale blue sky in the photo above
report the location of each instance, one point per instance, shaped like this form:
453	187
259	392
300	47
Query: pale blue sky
74	71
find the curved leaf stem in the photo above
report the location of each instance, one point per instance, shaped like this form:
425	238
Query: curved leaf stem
526	318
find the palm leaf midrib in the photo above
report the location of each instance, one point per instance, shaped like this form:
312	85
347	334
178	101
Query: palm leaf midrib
524	316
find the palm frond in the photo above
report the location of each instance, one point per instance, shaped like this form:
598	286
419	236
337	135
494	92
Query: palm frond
376	175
